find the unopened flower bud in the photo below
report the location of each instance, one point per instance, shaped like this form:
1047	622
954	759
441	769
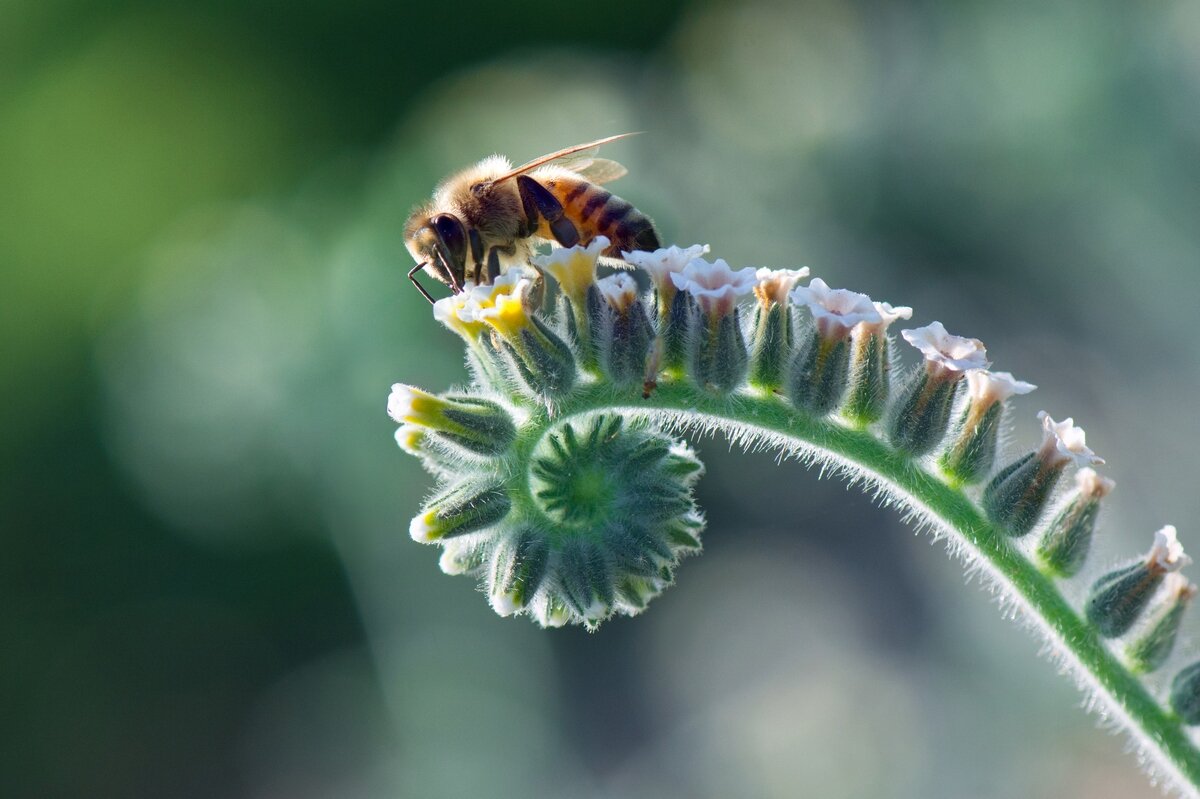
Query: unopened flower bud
972	452
772	326
1185	694
1118	598
821	365
1153	645
463	509
475	424
921	415
1016	497
718	357
587	583
467	556
1064	548
517	570
870	366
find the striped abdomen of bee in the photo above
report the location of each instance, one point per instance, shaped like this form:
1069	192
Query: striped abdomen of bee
595	211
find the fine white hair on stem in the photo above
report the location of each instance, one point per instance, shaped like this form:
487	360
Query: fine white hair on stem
1097	700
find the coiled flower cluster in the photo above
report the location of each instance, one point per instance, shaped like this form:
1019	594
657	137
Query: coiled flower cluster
562	489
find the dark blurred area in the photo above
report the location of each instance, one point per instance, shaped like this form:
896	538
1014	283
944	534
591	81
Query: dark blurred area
207	588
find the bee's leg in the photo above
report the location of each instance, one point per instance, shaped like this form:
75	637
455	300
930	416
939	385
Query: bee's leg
412	275
493	265
476	254
539	202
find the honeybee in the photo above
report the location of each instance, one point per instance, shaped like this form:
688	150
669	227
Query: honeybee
490	216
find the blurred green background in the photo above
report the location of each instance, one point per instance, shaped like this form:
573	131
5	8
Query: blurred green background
206	586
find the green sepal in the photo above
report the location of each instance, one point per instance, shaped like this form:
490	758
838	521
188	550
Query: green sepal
543	362
586	580
770	345
1185	694
467	556
674	327
624	344
818	373
1154	644
921	414
518	568
718	356
870	380
464	508
1118	598
1017	495
971	456
1065	546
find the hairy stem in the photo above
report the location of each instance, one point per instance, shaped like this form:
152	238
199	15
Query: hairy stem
769	421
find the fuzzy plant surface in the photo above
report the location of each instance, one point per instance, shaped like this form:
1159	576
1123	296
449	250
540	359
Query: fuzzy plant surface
564	489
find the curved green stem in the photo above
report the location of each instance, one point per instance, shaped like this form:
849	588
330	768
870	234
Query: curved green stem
1156	730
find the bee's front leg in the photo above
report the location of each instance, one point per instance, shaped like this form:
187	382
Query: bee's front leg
537	201
476	254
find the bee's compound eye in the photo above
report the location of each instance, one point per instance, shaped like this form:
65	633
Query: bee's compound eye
452	233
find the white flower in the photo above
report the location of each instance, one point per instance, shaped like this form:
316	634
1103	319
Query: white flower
1167	553
888	314
1092	484
836	311
715	286
1063	441
620	289
463	312
775	284
987	388
951	352
664	262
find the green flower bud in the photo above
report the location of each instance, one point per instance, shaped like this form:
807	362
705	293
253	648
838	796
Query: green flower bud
518	567
474	424
921	415
1118	598
467	555
1016	497
1185	694
1153	645
593	525
1064	548
464	508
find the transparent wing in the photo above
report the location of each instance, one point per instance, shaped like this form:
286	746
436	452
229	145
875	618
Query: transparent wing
598	170
580	151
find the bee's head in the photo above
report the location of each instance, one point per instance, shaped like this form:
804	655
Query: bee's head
440	242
